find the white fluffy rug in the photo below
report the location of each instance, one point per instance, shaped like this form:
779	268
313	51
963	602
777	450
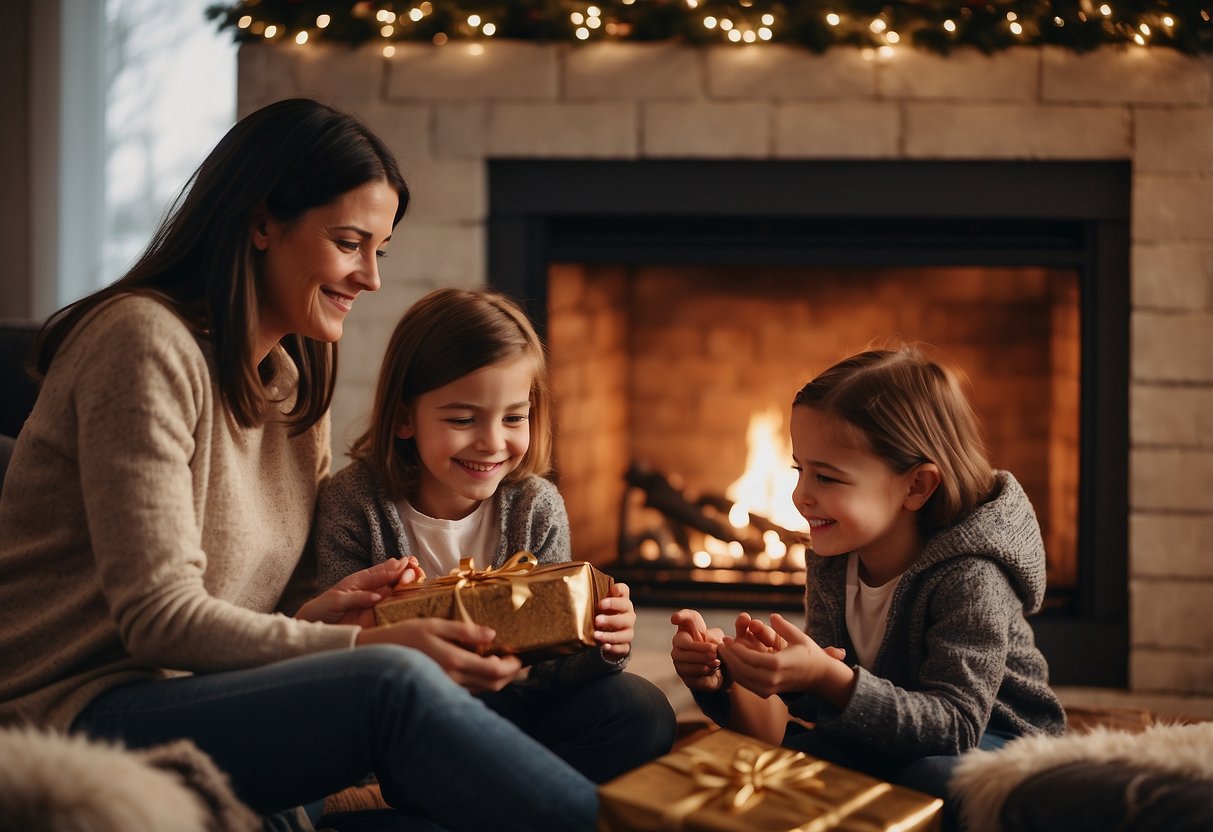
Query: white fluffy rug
55	783
984	779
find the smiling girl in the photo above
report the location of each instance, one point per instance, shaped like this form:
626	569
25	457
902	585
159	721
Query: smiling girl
925	563
452	466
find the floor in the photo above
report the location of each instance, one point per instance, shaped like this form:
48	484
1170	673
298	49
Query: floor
651	659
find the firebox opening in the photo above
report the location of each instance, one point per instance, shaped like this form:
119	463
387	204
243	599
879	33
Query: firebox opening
673	384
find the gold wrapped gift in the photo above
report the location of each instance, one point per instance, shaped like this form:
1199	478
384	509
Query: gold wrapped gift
538	612
726	782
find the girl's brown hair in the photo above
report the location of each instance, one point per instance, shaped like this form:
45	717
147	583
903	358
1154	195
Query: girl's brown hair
443	337
910	409
284	159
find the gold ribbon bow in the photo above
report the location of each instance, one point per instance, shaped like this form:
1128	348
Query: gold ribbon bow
741	783
466	574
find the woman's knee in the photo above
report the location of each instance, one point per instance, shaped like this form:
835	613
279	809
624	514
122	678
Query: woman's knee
397	672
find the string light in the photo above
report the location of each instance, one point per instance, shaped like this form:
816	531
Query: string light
389	51
309	21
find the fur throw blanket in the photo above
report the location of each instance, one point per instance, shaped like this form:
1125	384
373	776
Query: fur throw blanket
50	782
984	780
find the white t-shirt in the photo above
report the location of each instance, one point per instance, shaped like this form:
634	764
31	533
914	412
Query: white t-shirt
439	545
867	613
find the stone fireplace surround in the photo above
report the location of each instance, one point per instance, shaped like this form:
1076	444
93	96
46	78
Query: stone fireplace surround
446	110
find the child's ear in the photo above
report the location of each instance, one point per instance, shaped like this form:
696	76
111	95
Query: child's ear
403	424
923	482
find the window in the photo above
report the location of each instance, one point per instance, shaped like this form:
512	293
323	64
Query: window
170	95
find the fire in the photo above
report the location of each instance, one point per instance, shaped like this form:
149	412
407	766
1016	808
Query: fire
765	488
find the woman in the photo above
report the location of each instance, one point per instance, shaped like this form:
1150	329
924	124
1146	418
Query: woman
162	495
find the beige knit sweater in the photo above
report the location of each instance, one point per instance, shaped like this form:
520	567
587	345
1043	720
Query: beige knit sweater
143	532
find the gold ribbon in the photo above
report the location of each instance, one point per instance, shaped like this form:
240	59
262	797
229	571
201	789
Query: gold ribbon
752	774
466	575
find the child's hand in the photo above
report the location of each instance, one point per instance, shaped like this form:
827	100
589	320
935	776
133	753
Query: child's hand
350	600
756	635
799	665
693	652
455	646
616	626
762	637
412	572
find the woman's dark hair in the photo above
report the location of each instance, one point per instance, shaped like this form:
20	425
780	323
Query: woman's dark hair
284	159
910	409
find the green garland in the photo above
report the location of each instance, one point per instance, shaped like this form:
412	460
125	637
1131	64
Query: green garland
937	25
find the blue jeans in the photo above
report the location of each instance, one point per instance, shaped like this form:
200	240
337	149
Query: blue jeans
925	774
289	733
604	728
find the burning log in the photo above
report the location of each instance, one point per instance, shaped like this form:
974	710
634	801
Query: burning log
674	504
724	505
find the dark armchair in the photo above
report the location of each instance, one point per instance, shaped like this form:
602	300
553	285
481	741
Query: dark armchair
17	389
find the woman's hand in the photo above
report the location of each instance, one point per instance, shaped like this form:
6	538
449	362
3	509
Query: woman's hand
455	646
352	599
787	661
615	627
693	652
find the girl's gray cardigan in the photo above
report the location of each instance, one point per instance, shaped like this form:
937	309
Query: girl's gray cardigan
958	657
357	525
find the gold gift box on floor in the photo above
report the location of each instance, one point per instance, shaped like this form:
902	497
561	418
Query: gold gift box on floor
538	612
726	782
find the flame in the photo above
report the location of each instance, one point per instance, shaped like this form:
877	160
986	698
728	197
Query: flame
765	489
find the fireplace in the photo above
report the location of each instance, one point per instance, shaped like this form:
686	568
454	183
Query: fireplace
683	301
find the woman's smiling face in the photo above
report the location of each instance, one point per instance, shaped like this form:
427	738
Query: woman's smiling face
314	267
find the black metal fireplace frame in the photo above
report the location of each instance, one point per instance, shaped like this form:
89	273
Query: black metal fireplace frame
879	213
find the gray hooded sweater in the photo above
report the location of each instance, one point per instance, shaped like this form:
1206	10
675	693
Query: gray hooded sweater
958	656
